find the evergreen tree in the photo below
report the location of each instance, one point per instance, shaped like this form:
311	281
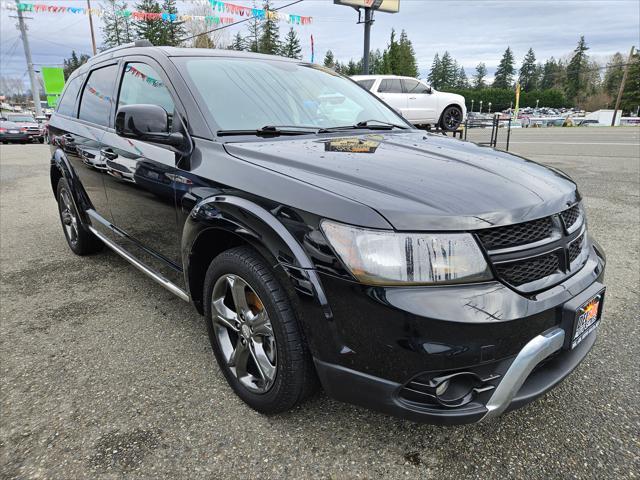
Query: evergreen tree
631	96
613	74
576	83
376	62
291	45
448	71
505	71
479	77
203	41
552	75
406	62
329	59
255	31
172	31
117	28
238	43
73	62
390	55
435	73
529	72
152	30
269	41
352	68
462	81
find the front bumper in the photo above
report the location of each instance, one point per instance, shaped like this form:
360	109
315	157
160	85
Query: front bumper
386	340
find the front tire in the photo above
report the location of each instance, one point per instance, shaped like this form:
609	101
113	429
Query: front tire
81	241
451	118
256	337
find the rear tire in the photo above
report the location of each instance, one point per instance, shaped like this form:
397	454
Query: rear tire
451	118
269	367
81	241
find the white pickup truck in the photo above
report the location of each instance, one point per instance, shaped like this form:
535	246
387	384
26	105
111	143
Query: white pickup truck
418	102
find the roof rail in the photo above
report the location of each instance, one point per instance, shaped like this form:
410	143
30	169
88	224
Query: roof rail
138	43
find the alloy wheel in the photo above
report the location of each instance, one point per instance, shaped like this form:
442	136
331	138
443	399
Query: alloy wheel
244	333
453	118
69	218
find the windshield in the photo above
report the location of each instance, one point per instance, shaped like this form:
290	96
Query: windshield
249	94
20	118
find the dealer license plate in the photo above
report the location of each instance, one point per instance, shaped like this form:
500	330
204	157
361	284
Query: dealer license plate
587	318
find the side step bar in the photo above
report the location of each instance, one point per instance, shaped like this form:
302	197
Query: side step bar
141	266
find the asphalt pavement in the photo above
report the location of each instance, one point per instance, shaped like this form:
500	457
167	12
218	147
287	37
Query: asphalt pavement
104	374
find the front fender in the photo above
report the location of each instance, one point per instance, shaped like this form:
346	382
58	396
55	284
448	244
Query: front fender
258	227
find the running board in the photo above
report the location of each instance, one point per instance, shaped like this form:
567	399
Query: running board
141	266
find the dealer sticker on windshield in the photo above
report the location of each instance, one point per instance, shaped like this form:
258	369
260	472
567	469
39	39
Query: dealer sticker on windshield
587	318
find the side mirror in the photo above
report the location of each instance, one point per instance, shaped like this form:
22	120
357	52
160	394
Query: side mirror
147	123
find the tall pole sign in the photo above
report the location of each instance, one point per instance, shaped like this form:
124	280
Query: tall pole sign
369	6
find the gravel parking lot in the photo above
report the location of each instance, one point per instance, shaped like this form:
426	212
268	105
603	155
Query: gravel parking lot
104	374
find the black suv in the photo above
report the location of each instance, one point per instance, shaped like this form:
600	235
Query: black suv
323	237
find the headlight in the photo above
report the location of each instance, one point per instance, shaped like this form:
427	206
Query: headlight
388	258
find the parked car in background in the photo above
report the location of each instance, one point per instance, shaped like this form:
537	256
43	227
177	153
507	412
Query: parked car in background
32	127
12	132
418	102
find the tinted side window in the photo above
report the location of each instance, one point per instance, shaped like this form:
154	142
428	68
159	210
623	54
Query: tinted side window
141	84
390	85
366	84
67	103
414	86
96	101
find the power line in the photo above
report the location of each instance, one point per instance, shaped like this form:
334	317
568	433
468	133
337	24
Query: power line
238	22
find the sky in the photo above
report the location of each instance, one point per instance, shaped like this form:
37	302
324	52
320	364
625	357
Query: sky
472	31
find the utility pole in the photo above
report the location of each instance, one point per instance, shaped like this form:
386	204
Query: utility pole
35	86
368	21
93	35
621	89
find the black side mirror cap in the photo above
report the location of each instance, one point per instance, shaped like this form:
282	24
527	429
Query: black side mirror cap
148	123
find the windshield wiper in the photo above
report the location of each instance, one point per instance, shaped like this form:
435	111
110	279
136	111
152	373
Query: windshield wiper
367	124
270	131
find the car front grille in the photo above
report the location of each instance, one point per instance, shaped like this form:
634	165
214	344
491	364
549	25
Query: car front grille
570	216
526	271
516	235
575	248
535	255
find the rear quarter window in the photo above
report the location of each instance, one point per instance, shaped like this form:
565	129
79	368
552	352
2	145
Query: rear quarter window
97	96
67	103
366	84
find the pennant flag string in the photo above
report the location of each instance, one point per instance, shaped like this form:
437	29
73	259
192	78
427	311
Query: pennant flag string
217	6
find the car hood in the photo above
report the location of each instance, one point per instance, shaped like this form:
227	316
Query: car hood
419	181
27	124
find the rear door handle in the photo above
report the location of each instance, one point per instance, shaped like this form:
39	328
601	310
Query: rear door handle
412	98
108	153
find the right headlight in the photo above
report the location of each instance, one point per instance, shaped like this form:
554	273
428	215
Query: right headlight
380	257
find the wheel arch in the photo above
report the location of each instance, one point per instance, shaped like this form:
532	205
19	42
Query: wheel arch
61	168
218	223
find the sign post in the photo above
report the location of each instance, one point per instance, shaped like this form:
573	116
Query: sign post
390	6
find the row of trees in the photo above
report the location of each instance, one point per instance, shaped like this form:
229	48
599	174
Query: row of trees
263	34
574	81
399	58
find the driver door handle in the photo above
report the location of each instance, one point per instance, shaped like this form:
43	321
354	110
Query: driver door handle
108	153
412	98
